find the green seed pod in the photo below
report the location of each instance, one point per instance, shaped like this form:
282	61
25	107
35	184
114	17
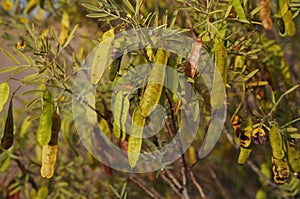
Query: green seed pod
276	142
121	109
289	24
113	68
218	92
135	139
49	155
8	137
243	155
293	157
154	88
221	58
4	94
45	127
281	26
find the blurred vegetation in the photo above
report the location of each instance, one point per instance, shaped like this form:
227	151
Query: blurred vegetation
257	155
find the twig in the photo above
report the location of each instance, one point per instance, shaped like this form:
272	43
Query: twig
31	180
184	177
142	184
171	184
197	185
216	179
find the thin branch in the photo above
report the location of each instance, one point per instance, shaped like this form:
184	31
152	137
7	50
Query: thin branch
184	177
23	169
219	184
171	184
197	185
143	185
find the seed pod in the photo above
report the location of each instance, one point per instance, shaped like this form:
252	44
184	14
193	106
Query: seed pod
289	24
101	56
264	14
218	92
4	94
8	137
135	138
49	151
49	155
154	88
281	170
192	155
281	26
113	68
245	139
259	136
193	59
243	155
45	127
236	123
276	142
56	124
121	109
293	157
221	59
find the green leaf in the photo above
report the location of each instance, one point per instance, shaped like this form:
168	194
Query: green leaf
136	137
9	69
71	36
173	20
91	7
239	10
30	92
42	192
4	94
97	15
22	55
247	77
5	164
128	5
11	56
228	10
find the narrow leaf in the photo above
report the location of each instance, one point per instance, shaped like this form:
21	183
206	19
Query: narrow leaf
11	56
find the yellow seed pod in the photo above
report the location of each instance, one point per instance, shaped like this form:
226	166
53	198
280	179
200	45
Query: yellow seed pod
192	155
135	139
281	170
276	142
49	155
243	155
245	139
259	136
156	80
